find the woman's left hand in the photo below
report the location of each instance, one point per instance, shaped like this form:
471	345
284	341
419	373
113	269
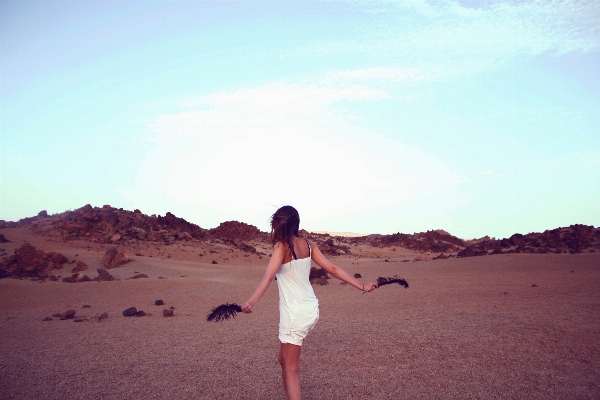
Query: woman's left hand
247	307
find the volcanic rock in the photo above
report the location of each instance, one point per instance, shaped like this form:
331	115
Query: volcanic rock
103	275
29	262
167	313
130	312
319	273
357	275
231	230
3	239
81	266
103	316
69	314
470	251
140	313
158	303
138	276
114	258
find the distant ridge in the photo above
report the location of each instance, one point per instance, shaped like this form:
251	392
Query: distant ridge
107	224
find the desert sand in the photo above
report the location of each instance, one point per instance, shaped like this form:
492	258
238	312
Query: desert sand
499	326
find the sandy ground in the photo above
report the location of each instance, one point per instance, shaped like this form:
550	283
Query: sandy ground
466	328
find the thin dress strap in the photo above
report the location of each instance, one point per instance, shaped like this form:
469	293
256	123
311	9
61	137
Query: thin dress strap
309	249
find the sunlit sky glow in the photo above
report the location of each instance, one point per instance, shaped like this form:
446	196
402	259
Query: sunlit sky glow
477	117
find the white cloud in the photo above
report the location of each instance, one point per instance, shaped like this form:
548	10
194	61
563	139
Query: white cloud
240	153
435	40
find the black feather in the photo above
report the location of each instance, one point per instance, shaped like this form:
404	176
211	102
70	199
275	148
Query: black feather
223	312
388	281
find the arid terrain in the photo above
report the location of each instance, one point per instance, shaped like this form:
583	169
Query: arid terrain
520	323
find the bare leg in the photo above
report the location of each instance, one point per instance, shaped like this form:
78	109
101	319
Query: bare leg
289	358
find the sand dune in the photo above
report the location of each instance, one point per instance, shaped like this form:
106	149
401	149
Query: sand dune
466	328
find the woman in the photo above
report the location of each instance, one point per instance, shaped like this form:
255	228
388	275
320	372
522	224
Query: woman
298	306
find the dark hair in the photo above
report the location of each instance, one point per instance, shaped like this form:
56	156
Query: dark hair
284	225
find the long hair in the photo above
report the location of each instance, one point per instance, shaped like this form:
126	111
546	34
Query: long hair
284	225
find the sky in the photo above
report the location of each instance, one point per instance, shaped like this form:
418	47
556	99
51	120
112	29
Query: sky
477	117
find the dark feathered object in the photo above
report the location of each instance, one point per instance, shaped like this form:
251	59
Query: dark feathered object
388	281
224	311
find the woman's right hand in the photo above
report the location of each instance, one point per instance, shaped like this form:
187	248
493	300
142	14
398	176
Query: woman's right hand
369	286
247	307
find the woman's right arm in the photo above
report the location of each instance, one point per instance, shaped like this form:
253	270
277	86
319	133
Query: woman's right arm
338	272
274	264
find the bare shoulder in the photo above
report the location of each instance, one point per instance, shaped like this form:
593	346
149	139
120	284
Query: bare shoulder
280	247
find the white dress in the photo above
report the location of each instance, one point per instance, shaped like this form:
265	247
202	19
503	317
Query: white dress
298	305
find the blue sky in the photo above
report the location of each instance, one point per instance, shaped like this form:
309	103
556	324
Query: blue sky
477	117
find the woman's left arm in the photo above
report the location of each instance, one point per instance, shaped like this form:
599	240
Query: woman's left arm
338	272
274	264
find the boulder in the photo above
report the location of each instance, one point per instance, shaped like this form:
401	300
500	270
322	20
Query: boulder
103	275
3	239
167	313
81	266
114	258
29	262
158	303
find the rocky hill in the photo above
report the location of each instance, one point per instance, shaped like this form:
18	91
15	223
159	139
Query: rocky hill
117	226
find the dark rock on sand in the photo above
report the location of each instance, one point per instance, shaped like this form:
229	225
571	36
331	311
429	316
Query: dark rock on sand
319	273
357	275
69	314
140	313
319	281
48	319
76	278
158	303
138	276
103	275
103	316
167	313
3	239
130	312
